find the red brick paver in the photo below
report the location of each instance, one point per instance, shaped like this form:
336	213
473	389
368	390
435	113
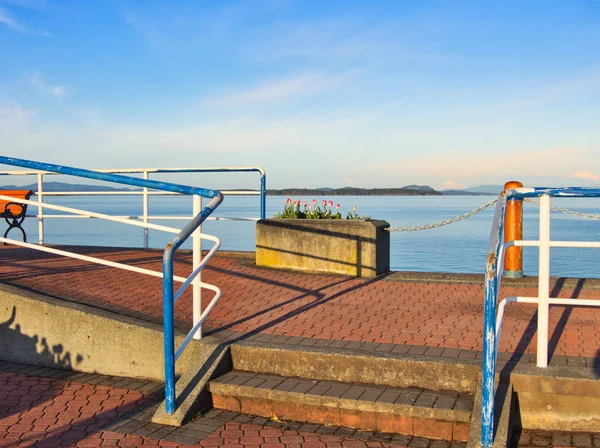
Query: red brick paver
46	412
279	302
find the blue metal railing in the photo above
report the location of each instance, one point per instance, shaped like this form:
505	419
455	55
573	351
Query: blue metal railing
493	277
216	198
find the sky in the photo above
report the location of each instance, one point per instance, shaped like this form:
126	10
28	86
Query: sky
446	93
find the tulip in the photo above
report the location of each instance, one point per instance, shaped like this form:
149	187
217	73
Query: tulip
310	207
324	202
331	203
354	208
337	206
314	202
289	200
305	203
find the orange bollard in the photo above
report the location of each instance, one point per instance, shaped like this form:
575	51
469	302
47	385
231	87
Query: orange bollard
513	230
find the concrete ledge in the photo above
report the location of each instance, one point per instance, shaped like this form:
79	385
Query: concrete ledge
43	331
503	418
349	247
350	366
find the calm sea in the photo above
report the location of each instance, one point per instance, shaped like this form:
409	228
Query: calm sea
459	247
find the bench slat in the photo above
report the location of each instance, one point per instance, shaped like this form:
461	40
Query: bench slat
19	194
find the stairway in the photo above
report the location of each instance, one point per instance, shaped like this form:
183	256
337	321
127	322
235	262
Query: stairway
442	415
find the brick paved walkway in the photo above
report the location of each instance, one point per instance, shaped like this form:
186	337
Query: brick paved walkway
43	407
438	313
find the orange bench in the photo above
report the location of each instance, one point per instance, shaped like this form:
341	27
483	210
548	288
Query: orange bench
14	212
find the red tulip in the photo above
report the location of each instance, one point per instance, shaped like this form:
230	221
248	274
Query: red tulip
289	200
331	203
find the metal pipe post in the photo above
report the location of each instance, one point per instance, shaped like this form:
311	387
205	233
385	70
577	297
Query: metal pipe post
543	282
263	196
197	259
513	231
40	216
145	213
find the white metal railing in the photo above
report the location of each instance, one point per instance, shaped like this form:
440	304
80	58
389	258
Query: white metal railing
145	193
494	270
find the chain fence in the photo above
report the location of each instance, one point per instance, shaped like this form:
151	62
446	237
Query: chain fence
566	211
445	222
555	208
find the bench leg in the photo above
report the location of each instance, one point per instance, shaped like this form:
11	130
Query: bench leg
16	226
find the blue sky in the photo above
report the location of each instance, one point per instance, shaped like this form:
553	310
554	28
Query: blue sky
447	93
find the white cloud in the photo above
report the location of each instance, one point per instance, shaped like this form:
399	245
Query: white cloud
37	81
586	175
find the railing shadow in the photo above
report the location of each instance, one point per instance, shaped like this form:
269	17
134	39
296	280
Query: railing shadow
36	350
531	328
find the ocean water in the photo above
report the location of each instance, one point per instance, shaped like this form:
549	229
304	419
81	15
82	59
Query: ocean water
460	247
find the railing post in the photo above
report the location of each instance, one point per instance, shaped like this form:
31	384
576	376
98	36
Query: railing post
197	259
513	231
543	282
145	213
168	331
40	216
263	196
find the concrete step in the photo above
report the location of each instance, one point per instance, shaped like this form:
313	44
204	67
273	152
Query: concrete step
441	415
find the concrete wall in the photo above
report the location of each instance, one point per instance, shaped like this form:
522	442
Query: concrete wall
360	248
40	330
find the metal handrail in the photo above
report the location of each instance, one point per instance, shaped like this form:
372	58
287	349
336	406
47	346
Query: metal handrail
146	193
215	196
494	268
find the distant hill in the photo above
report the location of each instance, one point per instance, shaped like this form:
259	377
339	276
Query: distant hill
409	190
481	190
52	187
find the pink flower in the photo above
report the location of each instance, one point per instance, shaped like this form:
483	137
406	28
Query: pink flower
314	202
337	206
289	200
330	203
310	207
324	202
305	203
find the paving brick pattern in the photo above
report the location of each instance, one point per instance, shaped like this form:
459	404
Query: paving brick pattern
438	314
361	392
43	407
530	439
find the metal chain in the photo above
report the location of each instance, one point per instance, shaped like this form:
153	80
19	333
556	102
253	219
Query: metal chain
566	211
443	223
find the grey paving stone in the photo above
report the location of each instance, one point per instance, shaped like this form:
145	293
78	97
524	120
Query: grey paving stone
444	402
464	404
174	437
212	413
451	353
147	429
309	427
400	439
418	442
370	395
270	383
303	387
388	397
338	344
561	439
582	439
434	351
204	425
408	398
353	345
190	433
255	382
324	342
417	350
369	346
336	391
468	354
131	426
385	347
401	348
344	432
319	389
286	385
242	418
426	400
439	444
308	342
353	393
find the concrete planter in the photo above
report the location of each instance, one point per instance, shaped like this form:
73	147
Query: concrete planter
349	247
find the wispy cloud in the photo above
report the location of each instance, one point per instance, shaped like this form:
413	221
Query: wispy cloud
279	90
37	81
586	175
14	24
